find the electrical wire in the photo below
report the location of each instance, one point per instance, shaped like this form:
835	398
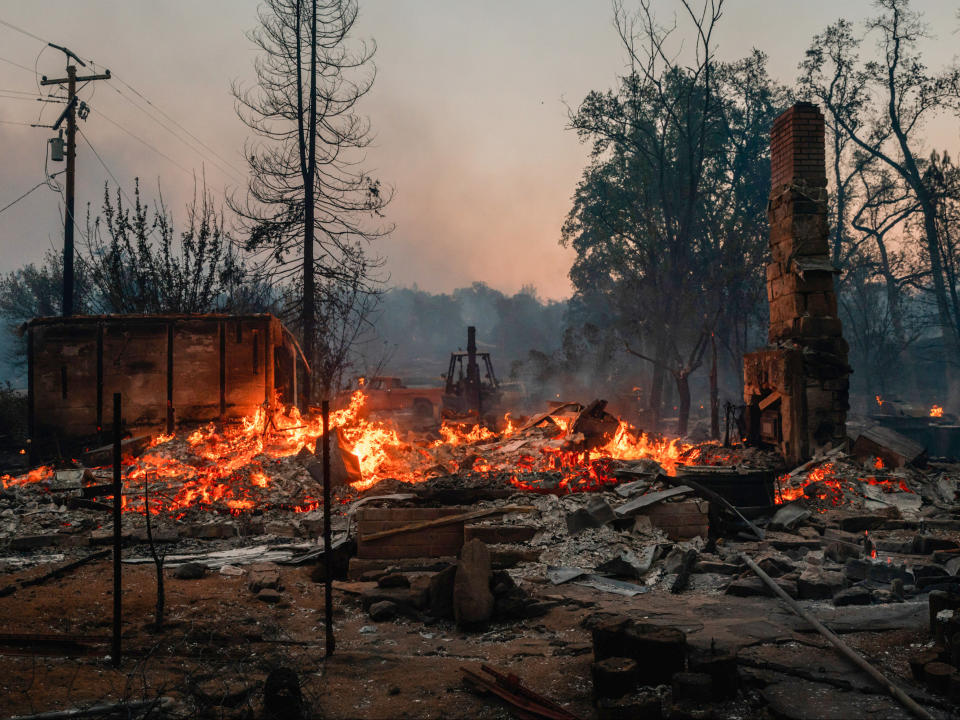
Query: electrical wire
160	110
211	155
109	172
141	140
237	174
22	31
16	64
38	185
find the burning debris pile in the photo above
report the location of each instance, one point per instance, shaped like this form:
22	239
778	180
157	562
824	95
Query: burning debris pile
480	530
258	463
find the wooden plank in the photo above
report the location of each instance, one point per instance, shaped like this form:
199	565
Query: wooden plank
449	519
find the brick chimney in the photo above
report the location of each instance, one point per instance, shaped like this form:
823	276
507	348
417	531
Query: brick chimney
797	389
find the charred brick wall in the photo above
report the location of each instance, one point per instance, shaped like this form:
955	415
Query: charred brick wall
797	388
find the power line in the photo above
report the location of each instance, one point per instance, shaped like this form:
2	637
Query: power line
109	172
15	122
159	110
22	31
38	185
210	156
239	174
16	64
144	142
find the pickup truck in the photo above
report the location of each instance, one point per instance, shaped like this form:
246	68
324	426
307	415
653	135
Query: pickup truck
390	395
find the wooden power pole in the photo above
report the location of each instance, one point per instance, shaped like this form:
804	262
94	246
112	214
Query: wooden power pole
70	114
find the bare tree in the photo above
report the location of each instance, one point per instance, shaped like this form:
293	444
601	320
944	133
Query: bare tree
310	209
883	105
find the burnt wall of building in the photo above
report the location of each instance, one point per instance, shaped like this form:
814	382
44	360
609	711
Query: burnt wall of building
801	380
168	369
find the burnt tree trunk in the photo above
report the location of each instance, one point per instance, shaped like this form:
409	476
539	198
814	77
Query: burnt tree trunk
714	391
656	385
683	391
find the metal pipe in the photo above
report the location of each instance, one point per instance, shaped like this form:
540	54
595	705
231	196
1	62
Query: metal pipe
907	701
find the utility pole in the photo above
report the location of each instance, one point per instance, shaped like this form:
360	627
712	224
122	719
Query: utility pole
70	114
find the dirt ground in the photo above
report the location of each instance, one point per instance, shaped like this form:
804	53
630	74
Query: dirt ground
220	642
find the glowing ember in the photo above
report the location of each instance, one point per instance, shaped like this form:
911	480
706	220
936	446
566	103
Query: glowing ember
879	400
878	463
824	485
229	465
936	411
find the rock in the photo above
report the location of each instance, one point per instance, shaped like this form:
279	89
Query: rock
393	580
263	576
190	571
819	585
269	596
440	593
788	516
472	599
853	596
383	611
231	571
408	603
840	552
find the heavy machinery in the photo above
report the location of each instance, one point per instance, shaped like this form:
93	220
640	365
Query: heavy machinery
472	389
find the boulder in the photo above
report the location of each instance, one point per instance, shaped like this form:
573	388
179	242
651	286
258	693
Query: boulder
190	571
472	599
853	596
814	584
383	611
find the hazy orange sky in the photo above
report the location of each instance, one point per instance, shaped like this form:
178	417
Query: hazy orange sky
468	111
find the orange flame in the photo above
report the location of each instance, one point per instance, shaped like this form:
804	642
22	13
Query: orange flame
936	411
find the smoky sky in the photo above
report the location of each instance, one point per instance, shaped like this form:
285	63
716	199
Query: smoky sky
469	111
